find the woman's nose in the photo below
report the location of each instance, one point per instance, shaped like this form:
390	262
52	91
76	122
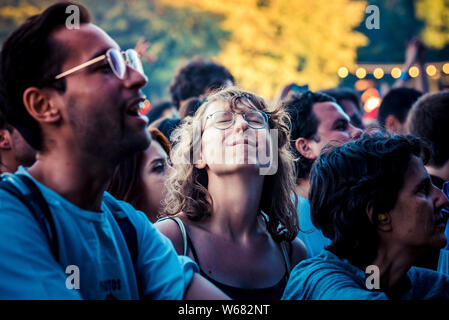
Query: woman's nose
240	123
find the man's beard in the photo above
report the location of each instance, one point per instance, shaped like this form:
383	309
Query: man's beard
108	140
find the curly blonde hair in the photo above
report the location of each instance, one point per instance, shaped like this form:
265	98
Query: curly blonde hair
187	185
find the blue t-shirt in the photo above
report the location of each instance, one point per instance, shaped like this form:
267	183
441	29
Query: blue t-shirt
94	244
327	277
445	190
443	262
313	238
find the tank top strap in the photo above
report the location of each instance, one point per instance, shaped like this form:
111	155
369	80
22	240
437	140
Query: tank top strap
183	231
194	254
187	242
287	256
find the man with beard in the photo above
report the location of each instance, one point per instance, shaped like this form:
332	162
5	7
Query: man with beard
75	97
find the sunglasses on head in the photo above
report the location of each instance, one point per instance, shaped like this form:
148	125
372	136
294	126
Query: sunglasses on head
117	61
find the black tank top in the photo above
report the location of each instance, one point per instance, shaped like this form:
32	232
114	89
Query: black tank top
270	293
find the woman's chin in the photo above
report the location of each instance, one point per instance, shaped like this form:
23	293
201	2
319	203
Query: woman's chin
229	168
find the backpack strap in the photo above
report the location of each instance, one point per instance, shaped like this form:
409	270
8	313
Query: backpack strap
126	226
286	255
183	231
33	199
129	233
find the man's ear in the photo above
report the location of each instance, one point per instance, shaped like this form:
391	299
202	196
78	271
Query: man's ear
392	124
40	106
381	220
302	145
5	140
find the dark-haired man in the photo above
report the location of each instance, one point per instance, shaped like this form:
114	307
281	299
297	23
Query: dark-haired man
197	78
394	108
317	120
75	99
14	150
350	103
428	119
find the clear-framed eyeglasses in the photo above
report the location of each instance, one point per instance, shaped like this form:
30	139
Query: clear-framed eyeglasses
117	61
223	120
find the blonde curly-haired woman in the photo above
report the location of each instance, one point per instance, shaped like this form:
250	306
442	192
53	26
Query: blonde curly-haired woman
237	223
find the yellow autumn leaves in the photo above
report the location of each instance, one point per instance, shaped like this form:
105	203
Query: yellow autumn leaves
435	14
275	42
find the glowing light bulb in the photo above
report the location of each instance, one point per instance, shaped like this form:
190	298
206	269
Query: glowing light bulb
413	72
360	73
343	72
396	73
378	73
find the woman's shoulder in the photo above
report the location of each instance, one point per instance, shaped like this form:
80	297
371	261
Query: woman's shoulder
173	227
298	252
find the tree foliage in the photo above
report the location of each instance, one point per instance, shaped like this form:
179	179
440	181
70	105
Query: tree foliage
274	42
175	34
435	14
265	43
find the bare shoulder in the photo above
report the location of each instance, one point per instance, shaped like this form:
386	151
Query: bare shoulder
299	251
170	229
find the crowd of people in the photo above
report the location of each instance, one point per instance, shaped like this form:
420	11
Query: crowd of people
217	193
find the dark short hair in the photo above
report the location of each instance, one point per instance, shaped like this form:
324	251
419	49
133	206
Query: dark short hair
349	179
397	102
2	101
428	119
190	106
196	78
293	88
341	94
157	110
166	126
30	57
304	124
3	124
